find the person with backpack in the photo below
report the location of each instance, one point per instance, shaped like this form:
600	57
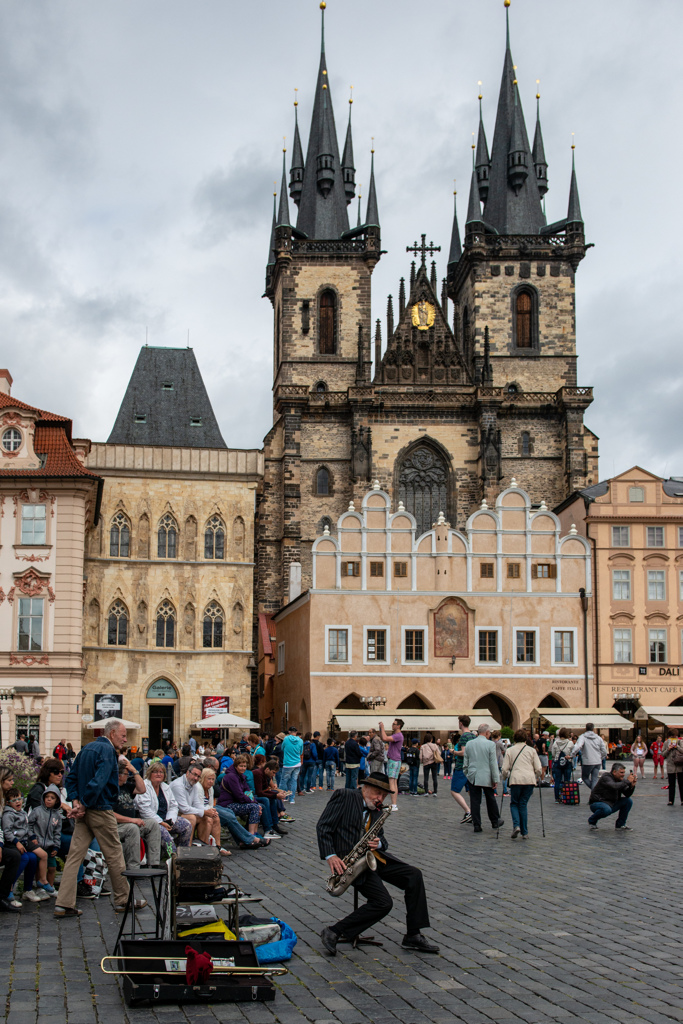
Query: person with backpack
411	757
331	758
673	760
309	763
562	761
352	760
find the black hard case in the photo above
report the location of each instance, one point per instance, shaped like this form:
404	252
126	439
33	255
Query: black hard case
198	866
167	988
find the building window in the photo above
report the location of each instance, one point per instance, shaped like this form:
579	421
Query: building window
167	537
376	645
11	440
321	387
377	568
423	485
513	570
338	645
680	586
526	645
488	645
322	481
636	494
524	319
33	524
328	310
526	443
214	538
621	536
117	625
140	417
657	639
401	569
212	627
351	568
622	646
280	658
680	536
564	647
486	570
414	645
544	571
195	421
656	585
167	385
655	536
166	625
621	585
30	624
119	537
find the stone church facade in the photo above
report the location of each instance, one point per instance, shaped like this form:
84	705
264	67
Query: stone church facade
476	383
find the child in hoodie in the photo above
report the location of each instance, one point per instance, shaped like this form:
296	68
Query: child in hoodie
17	832
45	822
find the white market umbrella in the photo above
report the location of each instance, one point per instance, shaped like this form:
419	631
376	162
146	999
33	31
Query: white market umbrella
225	721
103	721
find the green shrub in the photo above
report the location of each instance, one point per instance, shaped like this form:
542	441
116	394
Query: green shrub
506	732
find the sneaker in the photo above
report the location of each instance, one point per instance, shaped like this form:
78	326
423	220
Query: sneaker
105	890
270	834
41	895
394	807
287	817
594	828
32	896
434	794
516	832
13	901
84	892
466	819
46	887
292	802
623	828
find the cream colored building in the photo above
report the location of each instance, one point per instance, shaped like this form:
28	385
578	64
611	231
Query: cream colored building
169	571
48	502
488	617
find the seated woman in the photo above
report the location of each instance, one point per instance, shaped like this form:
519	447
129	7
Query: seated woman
207	781
233	796
158	802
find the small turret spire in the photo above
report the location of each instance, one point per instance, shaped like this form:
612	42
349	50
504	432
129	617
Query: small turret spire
482	160
348	170
538	151
455	251
271	250
432	277
473	206
378	345
296	171
412	275
359	222
390	318
401	296
283	211
574	208
518	160
323	5
372	213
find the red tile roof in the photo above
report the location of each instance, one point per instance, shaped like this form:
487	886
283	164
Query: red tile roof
52	440
267	627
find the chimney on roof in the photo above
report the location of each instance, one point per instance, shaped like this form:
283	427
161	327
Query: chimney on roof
5	382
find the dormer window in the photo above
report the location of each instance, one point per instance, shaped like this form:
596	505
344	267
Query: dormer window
11	440
140	417
195	421
167	385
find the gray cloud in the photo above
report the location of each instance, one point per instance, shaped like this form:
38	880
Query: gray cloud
231	199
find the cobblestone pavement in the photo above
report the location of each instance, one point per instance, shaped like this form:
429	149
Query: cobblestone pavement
580	925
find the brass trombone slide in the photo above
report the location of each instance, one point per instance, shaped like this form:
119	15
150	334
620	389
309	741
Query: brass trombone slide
181	970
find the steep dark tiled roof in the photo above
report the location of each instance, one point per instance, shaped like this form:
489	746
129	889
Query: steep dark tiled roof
166	403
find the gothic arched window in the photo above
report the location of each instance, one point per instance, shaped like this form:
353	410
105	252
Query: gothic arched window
423	485
327	323
322	481
165	625
167	537
117	625
214	538
213	626
524	319
526	443
119	537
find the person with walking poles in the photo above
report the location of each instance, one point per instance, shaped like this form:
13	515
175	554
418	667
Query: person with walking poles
92	786
523	770
612	795
481	769
561	755
593	752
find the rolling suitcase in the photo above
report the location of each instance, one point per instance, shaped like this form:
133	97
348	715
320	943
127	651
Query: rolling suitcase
570	793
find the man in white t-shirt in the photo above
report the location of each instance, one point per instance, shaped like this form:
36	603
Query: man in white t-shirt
292	759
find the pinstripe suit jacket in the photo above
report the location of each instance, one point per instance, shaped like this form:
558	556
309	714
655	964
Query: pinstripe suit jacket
340	826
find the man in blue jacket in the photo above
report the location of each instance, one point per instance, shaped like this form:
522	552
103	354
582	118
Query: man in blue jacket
92	786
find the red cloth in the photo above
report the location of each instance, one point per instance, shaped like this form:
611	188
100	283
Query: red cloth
199	966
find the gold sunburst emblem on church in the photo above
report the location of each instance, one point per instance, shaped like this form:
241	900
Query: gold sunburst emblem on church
424	314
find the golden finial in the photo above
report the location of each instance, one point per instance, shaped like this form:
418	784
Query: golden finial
324	86
359	188
538	83
473	146
323	5
324	72
284	140
480	96
454	189
351	97
507	3
275	192
573	143
372	141
296	98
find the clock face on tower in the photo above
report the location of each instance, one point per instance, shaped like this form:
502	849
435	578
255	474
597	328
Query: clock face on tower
423	315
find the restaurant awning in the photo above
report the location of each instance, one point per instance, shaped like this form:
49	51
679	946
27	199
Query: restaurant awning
420	720
225	720
671	717
103	721
577	718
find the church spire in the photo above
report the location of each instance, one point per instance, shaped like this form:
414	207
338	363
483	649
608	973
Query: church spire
538	152
283	211
574	208
482	160
271	249
372	213
455	251
474	207
348	170
296	172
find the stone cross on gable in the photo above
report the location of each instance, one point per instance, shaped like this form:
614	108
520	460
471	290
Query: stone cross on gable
423	249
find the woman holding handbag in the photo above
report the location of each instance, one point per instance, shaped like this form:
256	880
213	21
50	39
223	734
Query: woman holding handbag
430	759
522	769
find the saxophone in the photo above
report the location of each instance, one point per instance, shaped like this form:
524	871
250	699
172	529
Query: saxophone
359	859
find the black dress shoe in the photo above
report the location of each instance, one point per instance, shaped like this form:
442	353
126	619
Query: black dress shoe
499	823
280	831
419	942
329	941
6	906
477	828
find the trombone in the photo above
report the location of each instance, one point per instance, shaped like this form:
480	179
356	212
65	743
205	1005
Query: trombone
163	960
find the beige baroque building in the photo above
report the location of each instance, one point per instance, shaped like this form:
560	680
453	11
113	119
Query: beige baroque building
169	594
490	616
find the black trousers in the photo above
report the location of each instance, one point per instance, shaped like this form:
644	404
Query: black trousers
433	769
10	866
672	785
379	902
491	804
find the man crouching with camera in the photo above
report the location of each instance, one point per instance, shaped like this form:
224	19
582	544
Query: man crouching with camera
612	795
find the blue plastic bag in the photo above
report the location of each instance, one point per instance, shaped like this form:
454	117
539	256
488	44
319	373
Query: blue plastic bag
274	952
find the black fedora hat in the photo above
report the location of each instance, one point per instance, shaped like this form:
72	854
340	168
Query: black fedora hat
378	780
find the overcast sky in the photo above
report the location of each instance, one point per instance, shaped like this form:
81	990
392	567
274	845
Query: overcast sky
139	141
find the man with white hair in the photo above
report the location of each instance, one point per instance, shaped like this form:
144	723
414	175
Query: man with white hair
481	768
92	786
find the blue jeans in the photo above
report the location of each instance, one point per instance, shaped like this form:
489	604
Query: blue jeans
290	777
233	826
319	772
561	775
330	769
308	776
603	810
29	865
520	796
413	776
351	778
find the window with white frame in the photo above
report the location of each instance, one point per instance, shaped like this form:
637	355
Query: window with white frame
621	585
563	646
655	536
30	624
11	440
622	646
621	536
680	586
657	638
337	644
680	536
280	657
487	645
375	644
414	647
656	585
525	643
33	524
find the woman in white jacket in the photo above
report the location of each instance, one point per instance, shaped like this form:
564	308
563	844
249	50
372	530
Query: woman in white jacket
159	802
522	769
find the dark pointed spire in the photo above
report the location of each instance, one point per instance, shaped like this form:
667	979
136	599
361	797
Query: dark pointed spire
372	213
296	172
432	277
455	251
482	160
444	297
574	208
348	170
487	369
401	296
359	222
390	318
538	152
412	275
473	206
378	345
271	250
283	211
322	208
518	155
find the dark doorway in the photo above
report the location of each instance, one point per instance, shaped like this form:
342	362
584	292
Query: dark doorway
414	701
160	724
550	701
498	706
